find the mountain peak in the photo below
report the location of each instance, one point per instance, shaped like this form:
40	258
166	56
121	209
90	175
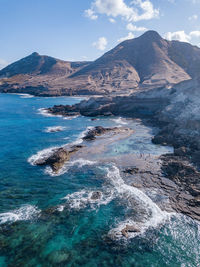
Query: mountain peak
35	54
151	35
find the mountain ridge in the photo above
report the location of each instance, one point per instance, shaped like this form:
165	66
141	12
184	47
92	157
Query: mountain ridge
142	63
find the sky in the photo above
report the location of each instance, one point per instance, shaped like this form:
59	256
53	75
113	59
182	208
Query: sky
85	29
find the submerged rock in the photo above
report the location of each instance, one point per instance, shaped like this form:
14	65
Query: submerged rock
96	195
129	229
59	257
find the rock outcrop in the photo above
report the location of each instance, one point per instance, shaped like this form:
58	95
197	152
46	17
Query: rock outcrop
58	158
99	130
129	229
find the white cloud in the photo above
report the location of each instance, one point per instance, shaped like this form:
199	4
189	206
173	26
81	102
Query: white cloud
179	35
133	28
101	43
182	36
195	34
136	11
193	17
129	36
112	20
90	14
3	63
148	10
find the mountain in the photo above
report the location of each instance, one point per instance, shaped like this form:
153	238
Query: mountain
41	65
145	62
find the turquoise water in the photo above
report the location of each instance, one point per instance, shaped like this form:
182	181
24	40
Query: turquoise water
51	220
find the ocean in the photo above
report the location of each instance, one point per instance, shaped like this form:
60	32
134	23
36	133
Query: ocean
53	220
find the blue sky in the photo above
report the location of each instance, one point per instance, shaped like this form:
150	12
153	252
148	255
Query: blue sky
85	29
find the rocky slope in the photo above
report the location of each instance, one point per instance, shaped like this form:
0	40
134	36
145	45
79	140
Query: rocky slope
142	63
38	75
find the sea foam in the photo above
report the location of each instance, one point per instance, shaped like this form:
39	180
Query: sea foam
26	212
54	129
43	154
120	121
155	215
82	199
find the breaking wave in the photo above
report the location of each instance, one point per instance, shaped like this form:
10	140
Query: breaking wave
43	154
154	215
26	212
84	198
44	112
79	162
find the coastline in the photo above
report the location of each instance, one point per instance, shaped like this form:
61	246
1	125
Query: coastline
178	168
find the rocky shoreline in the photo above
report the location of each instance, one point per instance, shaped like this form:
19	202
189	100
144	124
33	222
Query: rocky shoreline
181	169
59	156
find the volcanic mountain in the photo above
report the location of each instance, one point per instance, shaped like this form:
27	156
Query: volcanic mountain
145	62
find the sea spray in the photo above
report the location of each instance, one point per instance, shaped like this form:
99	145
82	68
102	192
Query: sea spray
42	154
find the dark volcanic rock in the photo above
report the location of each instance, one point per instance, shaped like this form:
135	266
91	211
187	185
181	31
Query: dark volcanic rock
97	131
58	158
181	151
187	178
132	170
129	229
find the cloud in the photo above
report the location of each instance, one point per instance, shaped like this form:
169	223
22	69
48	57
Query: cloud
133	28
195	34
90	14
3	63
112	20
101	43
137	10
179	35
182	36
193	17
148	10
129	36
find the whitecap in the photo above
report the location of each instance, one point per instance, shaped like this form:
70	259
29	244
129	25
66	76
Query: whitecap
26	96
70	117
54	129
120	121
82	199
26	212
